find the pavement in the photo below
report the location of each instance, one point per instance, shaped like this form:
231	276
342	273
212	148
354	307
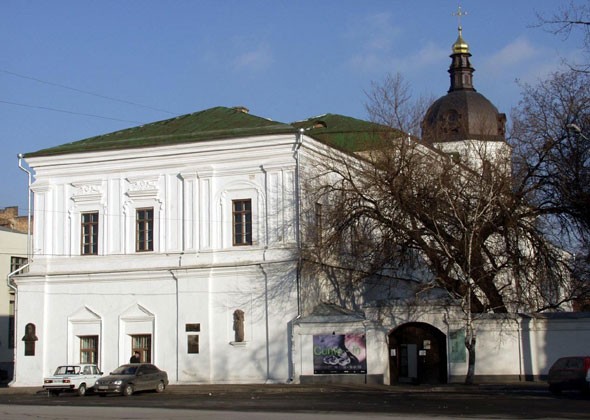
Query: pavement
210	389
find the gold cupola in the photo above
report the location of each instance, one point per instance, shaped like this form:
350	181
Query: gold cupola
460	46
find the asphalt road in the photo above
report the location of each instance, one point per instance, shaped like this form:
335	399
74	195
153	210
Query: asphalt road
19	412
409	402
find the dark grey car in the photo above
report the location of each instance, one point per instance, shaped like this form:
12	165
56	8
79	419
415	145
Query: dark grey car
569	373
127	379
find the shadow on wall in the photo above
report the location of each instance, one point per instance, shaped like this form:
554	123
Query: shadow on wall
552	336
526	346
6	350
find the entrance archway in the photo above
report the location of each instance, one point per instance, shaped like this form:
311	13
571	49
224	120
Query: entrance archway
417	354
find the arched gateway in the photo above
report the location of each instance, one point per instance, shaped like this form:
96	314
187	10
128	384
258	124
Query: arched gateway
417	354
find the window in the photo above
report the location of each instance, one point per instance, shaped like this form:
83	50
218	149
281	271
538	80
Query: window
192	340
90	370
142	344
144	230
148	369
192	343
89	349
89	233
242	222
16	263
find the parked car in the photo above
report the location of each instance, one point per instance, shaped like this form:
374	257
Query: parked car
127	379
570	373
72	378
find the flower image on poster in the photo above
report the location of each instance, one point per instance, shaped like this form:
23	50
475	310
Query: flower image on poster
339	353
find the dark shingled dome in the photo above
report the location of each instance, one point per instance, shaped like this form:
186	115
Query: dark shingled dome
462	114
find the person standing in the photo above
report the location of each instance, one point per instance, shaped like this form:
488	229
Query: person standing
135	358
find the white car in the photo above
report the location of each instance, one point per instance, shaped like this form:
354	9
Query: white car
72	378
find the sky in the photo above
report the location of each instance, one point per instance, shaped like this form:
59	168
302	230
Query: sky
73	69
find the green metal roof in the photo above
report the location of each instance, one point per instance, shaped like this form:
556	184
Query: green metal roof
221	123
345	133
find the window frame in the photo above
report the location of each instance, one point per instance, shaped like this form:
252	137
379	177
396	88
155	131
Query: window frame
89	229
242	222
145	350
91	350
144	228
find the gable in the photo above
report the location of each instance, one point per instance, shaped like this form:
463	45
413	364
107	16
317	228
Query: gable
136	313
84	314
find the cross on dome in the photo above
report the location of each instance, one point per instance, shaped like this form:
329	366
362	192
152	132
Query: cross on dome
460	46
459	13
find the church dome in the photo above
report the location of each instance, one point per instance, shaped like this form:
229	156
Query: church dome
463	113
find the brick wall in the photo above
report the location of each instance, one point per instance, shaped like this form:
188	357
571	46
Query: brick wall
10	219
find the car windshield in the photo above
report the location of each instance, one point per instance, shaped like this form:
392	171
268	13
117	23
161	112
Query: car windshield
125	370
67	370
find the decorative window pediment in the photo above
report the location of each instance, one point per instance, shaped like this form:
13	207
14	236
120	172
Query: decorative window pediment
84	314
142	187
138	313
87	191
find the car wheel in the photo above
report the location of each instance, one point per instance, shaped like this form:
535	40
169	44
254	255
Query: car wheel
160	387
82	390
128	390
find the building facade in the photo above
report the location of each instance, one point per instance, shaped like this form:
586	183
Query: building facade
174	250
180	239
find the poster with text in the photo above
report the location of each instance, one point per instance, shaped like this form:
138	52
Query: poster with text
339	353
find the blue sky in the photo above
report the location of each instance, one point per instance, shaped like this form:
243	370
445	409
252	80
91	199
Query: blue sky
148	60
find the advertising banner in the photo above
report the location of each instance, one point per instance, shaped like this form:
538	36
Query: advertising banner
339	353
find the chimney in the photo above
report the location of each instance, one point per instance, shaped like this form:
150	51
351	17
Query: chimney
242	109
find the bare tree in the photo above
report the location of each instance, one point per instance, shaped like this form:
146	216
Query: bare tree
549	126
570	18
403	210
553	160
402	201
391	103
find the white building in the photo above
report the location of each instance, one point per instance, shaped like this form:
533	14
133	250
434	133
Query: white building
13	255
180	239
154	247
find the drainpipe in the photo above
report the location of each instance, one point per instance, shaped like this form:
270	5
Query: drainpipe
29	242
298	142
521	376
266	324
11	284
175	278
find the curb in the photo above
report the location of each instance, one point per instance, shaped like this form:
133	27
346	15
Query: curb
210	389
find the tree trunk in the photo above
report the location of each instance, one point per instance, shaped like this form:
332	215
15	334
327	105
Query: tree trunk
470	345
